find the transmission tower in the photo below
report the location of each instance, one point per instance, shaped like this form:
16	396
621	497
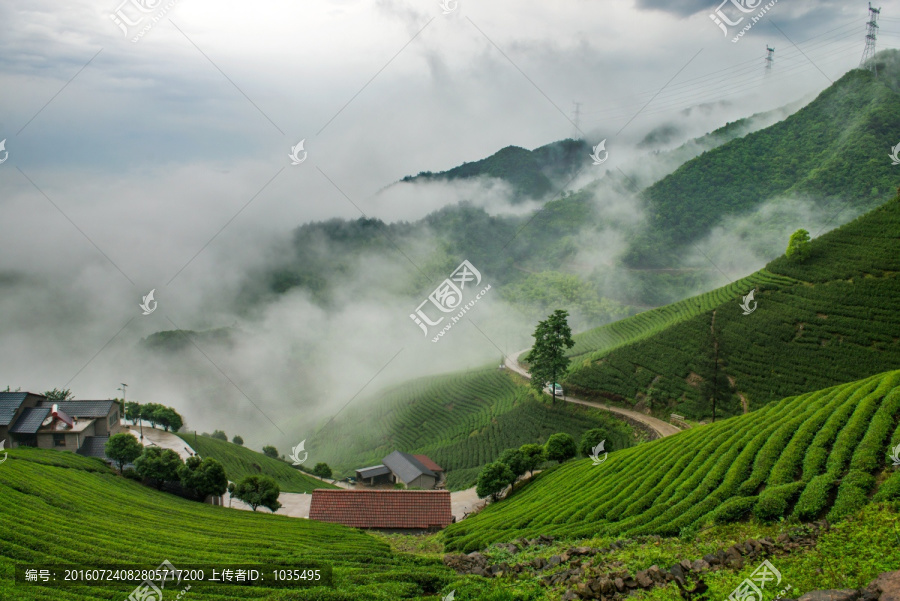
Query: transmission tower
576	120
770	58
871	36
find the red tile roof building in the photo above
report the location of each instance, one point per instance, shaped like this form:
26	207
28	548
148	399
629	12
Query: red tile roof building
427	462
383	509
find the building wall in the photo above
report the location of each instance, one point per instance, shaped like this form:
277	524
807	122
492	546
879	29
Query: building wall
73	440
424	481
102	426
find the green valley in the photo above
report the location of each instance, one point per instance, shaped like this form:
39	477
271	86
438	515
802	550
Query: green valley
461	421
240	461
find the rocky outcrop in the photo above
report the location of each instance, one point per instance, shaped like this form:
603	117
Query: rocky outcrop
884	588
588	574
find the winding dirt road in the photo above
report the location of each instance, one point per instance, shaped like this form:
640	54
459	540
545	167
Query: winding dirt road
660	427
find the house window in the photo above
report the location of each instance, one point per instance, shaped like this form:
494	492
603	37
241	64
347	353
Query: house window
113	419
59	440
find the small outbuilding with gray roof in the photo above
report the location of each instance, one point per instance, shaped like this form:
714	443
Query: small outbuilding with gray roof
410	471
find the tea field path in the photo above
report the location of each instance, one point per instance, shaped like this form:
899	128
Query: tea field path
660	427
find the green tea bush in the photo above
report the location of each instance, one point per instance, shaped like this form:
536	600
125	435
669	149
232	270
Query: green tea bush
773	502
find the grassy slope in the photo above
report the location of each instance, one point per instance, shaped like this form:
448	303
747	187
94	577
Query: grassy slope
827	320
240	461
98	517
62	508
817	454
849	555
462	421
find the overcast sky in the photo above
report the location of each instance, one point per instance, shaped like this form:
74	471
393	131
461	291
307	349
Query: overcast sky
164	162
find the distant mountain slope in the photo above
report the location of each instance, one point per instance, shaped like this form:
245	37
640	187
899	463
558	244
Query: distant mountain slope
240	461
531	173
322	255
833	150
832	318
60	508
818	454
462	421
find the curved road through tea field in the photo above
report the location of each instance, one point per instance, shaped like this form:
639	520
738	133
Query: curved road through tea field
660	427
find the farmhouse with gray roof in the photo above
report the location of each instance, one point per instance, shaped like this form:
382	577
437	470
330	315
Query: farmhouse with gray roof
412	470
33	420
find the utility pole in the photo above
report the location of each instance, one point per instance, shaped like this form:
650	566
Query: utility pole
871	37
122	388
770	58
140	421
576	119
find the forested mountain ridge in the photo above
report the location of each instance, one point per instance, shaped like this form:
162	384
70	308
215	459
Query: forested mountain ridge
833	151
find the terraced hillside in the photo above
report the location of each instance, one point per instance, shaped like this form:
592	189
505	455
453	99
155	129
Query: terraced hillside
462	421
829	319
60	508
240	461
820	454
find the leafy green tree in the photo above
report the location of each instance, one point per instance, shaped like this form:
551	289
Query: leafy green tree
257	491
149	412
534	455
158	464
561	447
133	411
798	245
168	418
547	357
238	440
123	448
515	460
493	479
203	478
219	435
591	439
59	395
270	451
322	470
